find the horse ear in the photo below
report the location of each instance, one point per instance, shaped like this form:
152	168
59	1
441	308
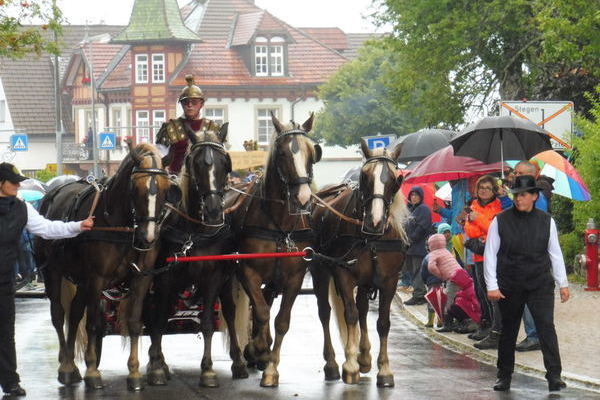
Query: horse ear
308	124
223	132
174	194
278	127
134	153
228	165
318	153
396	152
364	147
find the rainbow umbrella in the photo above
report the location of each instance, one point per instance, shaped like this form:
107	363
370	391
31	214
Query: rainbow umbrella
567	181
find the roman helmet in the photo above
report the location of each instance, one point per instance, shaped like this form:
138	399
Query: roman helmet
191	91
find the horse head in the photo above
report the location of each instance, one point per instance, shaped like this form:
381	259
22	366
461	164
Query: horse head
150	189
205	177
379	183
292	156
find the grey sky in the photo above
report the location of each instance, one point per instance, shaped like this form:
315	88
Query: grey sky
345	14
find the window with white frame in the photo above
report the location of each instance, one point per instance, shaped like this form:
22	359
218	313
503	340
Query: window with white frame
264	124
216	114
269	56
158	68
276	56
142	134
88	120
261	55
2	110
158	118
141	68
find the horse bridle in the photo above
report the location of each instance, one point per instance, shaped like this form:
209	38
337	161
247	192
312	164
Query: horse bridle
204	194
158	219
364	200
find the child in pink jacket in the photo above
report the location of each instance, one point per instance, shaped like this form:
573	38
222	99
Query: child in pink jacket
461	303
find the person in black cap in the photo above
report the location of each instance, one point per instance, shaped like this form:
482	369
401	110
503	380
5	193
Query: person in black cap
523	261
14	216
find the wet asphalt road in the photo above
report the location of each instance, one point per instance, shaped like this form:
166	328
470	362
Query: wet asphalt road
422	369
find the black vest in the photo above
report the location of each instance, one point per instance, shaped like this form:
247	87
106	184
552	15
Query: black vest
523	259
11	228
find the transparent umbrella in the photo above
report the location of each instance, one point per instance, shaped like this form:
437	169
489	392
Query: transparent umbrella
61	180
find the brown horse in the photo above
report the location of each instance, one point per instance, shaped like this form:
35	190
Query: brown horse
133	201
201	226
365	258
273	218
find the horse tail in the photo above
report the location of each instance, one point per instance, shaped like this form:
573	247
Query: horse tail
68	290
338	309
242	312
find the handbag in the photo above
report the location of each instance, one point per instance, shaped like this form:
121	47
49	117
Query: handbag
476	245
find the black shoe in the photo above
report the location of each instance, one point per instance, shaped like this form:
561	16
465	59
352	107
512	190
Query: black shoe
502	384
528	345
467	326
14	390
415	301
490	342
556	384
480	334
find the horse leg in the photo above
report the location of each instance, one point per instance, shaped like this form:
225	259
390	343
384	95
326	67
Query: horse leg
364	357
139	288
350	367
385	377
93	378
257	349
270	376
208	377
157	371
238	368
321	284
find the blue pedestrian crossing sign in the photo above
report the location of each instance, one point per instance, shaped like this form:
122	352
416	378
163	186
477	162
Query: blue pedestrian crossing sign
19	142
107	141
378	141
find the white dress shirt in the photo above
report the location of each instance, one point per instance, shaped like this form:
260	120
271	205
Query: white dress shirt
47	229
490	259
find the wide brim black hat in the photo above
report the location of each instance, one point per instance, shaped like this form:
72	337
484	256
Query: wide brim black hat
9	172
525	183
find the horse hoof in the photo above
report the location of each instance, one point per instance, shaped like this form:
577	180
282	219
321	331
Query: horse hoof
239	372
209	381
134	384
93	382
269	381
157	378
69	378
351	378
364	368
332	373
386	381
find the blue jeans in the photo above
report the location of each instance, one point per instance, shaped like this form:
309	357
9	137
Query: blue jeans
530	329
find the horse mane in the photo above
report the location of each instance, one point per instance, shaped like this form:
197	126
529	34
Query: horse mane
270	162
399	213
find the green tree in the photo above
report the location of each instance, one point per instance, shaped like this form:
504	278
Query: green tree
476	49
17	39
358	100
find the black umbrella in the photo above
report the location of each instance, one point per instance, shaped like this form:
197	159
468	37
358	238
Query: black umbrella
494	139
416	146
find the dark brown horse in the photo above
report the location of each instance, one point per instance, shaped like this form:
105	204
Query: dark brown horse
132	201
365	258
273	218
201	226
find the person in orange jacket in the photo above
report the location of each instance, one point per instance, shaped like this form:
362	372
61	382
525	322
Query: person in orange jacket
477	218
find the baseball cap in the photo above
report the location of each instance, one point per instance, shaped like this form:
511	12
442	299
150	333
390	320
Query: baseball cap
8	172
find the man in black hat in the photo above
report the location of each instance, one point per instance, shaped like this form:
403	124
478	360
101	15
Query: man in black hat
523	261
14	216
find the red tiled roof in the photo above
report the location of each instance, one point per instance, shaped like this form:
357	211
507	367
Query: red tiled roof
100	54
245	28
332	37
120	77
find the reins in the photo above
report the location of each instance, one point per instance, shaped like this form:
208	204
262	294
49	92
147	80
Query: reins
336	212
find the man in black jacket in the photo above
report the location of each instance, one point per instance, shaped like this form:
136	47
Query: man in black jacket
523	261
14	216
418	229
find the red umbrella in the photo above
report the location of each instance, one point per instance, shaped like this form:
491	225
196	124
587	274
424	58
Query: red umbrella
437	298
429	193
443	165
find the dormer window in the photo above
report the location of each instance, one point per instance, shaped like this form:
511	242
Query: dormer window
269	56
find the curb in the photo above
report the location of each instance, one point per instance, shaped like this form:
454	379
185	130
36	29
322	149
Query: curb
573	380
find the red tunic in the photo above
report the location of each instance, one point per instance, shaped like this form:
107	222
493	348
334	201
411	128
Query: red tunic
179	149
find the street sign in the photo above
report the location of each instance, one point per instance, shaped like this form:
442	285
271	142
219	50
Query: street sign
19	142
555	117
107	141
375	142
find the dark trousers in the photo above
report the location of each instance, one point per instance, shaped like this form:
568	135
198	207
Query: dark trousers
8	356
413	264
541	304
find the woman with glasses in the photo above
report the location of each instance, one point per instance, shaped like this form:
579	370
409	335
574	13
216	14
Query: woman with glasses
477	217
176	135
